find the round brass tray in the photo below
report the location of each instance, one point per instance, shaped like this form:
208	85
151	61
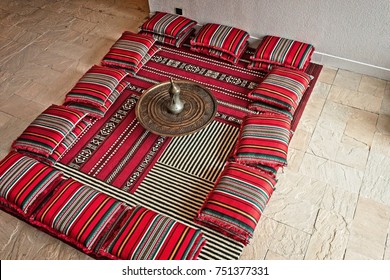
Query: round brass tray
200	108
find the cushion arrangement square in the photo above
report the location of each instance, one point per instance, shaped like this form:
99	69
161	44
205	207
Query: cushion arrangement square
222	40
95	111
96	86
282	88
48	130
168	28
237	201
25	182
148	235
284	52
131	51
79	215
263	139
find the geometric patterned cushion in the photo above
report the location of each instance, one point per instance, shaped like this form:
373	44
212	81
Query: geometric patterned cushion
24	182
129	50
237	201
48	130
79	214
133	70
169	25
282	88
96	86
263	139
99	112
147	235
224	38
284	52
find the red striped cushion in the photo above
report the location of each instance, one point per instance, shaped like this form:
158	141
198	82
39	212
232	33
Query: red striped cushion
48	130
24	182
284	52
263	140
123	58
267	108
80	215
220	54
99	112
169	25
261	66
176	42
96	86
237	201
283	88
129	50
224	38
147	235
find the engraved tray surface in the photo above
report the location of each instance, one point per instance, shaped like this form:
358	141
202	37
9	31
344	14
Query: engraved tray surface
200	108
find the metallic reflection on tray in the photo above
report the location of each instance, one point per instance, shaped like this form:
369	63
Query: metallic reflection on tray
176	108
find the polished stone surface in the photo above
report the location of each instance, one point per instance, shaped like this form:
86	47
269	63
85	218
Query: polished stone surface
331	202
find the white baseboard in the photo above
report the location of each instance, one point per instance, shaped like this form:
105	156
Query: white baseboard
351	65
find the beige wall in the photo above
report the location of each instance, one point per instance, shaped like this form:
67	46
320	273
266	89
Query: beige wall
350	34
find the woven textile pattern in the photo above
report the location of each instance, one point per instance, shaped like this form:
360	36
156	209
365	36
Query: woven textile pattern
282	88
284	52
264	140
152	236
48	130
236	203
176	42
81	213
169	25
24	182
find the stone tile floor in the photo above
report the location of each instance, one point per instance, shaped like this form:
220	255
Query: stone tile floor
331	202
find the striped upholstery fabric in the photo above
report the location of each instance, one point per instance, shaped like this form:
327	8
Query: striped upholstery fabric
48	130
130	51
267	108
96	86
220	54
237	201
168	25
147	235
284	52
24	182
80	215
263	139
176	42
261	66
99	112
282	88
221	37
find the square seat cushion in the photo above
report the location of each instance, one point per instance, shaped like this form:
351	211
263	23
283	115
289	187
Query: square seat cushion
168	28
237	201
284	52
130	51
96	86
147	235
98	112
25	182
79	215
263	139
227	39
282	88
48	130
